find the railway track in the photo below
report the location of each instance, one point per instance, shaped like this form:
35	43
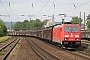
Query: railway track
7	49
24	52
71	52
7	45
43	54
83	55
3	43
27	53
79	52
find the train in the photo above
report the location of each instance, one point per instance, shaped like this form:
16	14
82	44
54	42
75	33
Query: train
85	35
66	35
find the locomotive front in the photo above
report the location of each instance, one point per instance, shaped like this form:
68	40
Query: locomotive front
71	35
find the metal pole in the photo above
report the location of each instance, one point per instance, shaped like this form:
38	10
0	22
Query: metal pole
80	19
53	14
63	18
53	19
62	21
84	20
11	25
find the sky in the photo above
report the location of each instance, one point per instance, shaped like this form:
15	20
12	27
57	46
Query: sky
20	10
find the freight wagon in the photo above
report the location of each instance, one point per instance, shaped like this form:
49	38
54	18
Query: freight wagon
85	34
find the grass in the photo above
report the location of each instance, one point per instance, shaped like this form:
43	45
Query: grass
15	51
17	47
2	52
14	54
85	41
89	47
4	38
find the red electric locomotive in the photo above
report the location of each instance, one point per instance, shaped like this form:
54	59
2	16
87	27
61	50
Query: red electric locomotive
68	35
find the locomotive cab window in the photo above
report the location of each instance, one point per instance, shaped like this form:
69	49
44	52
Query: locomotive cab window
71	28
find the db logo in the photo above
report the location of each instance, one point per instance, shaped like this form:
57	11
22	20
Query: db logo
71	35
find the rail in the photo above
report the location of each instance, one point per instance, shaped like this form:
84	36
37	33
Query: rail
10	50
41	52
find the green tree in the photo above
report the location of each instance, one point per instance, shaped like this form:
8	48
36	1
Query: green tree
18	26
37	24
88	25
3	29
28	25
31	24
76	20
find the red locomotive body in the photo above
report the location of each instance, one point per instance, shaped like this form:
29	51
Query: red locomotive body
68	35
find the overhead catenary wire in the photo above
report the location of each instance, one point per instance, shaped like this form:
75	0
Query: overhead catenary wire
9	5
77	6
5	9
74	4
34	7
41	8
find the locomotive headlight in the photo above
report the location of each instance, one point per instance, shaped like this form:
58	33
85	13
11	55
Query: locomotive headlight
65	39
77	36
66	36
77	39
